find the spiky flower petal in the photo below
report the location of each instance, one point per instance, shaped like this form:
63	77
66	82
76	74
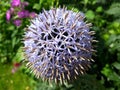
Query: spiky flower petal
58	45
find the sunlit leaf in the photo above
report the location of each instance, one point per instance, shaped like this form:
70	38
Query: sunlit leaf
116	65
90	14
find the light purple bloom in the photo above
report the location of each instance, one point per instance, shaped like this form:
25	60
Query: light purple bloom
32	15
23	4
58	45
12	10
23	14
15	3
8	15
17	22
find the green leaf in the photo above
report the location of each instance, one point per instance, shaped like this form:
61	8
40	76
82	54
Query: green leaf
114	9
99	9
86	1
11	28
41	1
90	14
116	65
19	55
106	70
36	6
114	76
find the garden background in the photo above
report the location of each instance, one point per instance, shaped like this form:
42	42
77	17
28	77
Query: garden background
105	71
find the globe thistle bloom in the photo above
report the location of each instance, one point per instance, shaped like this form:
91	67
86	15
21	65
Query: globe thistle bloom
58	45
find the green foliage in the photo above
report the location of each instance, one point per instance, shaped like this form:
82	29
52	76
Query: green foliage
105	71
116	65
14	81
10	36
114	10
90	14
113	42
84	84
4	35
45	3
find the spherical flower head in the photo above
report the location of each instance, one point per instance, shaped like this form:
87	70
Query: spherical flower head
15	3
58	45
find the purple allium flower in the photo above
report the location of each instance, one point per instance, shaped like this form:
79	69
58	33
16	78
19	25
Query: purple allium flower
15	3
23	14
8	15
58	45
17	22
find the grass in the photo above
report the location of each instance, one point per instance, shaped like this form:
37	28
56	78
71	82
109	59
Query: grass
14	81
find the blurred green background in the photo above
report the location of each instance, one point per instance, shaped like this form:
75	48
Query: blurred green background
105	71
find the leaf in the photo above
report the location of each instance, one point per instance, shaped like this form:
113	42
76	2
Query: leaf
36	6
112	39
116	65
19	55
11	28
90	14
114	76
86	1
99	9
114	9
106	70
